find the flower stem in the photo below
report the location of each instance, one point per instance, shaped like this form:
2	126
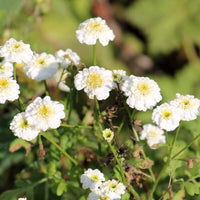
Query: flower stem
94	55
137	138
187	146
58	83
129	187
46	88
59	148
76	126
165	166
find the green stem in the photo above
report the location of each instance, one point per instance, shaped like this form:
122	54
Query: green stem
187	146
76	126
133	128
59	148
97	125
129	187
165	166
14	71
94	55
58	83
137	139
46	88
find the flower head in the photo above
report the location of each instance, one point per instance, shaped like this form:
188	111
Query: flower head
108	135
45	113
9	89
118	75
188	105
92	179
95	81
113	189
166	116
67	57
21	128
23	198
14	51
153	134
92	29
143	93
41	67
6	69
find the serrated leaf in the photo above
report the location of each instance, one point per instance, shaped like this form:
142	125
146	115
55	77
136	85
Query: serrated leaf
169	25
62	187
125	196
191	188
117	173
179	195
140	163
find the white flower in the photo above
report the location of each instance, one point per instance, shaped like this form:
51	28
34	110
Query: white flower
99	195
9	89
92	29
92	179
41	67
67	57
6	69
21	128
45	113
189	106
22	198
143	93
95	81
14	51
153	134
166	116
113	189
118	75
108	135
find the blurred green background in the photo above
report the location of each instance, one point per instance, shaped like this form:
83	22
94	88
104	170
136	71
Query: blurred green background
155	38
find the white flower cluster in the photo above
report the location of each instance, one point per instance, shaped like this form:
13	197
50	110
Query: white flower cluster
168	115
9	89
41	114
38	67
101	189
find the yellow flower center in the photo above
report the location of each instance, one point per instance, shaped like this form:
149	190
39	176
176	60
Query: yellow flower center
41	61
112	185
95	26
105	198
95	177
94	81
44	111
152	133
24	123
16	46
166	113
3	83
143	88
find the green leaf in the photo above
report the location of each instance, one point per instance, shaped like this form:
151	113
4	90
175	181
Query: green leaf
62	187
191	188
179	195
117	173
125	196
169	25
